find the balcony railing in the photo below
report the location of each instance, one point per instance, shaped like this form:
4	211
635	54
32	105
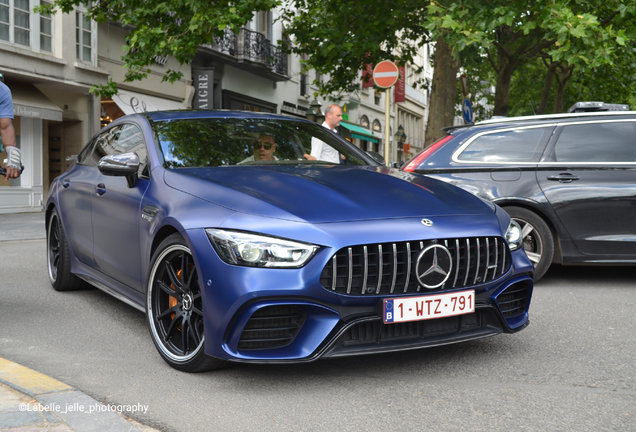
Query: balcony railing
252	46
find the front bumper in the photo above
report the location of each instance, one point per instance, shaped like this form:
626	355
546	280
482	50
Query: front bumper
285	315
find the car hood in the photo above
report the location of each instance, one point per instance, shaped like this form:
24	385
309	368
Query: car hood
321	194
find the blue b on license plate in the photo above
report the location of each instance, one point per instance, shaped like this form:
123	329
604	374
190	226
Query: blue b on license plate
428	307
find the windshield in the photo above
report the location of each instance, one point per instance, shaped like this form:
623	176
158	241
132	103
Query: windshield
214	142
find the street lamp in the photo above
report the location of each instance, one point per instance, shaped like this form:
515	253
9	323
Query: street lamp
314	114
400	137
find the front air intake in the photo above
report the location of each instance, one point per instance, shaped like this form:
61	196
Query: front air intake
271	327
513	301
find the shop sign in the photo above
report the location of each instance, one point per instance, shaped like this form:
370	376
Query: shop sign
203	80
291	108
23	111
399	87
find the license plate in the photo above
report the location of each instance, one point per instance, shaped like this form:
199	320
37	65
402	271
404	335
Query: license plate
428	307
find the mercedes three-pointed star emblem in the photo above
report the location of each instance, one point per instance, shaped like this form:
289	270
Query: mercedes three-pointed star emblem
434	265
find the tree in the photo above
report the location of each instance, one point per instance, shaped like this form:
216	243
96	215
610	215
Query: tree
514	32
323	33
612	83
340	37
170	28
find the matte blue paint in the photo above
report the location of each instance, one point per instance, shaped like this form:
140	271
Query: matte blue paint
329	206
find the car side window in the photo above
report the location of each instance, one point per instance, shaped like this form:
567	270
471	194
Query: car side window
105	145
519	145
131	139
597	142
85	155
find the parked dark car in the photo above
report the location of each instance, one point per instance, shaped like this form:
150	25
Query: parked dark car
569	180
234	256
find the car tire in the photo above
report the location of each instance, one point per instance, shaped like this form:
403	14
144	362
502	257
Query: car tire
58	257
174	308
538	241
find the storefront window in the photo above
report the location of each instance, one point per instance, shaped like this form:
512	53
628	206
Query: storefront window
16	24
46	31
4	20
83	37
22	22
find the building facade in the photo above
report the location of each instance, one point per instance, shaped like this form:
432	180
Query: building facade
51	62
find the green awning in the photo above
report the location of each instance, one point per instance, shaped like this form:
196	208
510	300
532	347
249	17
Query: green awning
358	132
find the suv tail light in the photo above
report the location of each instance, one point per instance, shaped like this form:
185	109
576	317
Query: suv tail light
417	160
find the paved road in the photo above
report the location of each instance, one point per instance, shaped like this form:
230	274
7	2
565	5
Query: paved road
573	368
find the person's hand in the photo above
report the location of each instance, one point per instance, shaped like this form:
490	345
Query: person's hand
11	173
309	157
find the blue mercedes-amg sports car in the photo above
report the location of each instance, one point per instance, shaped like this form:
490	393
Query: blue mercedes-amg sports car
238	247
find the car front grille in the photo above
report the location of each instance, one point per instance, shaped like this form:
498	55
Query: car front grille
389	268
271	327
514	299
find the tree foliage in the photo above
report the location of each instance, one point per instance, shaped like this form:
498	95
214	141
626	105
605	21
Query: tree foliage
612	83
173	28
340	37
574	33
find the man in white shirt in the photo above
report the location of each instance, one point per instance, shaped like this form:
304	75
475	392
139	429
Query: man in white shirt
319	149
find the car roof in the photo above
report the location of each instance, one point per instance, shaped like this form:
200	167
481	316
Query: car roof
567	116
197	114
541	119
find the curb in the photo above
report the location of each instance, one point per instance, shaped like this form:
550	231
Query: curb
77	410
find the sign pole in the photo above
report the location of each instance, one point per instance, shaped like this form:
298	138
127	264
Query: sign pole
385	75
387	129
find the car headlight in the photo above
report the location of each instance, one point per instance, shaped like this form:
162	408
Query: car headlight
245	249
514	236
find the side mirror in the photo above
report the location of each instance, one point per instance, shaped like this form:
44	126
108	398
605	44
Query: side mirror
121	165
377	157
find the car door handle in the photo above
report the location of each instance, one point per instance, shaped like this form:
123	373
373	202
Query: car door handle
100	189
563	177
66	183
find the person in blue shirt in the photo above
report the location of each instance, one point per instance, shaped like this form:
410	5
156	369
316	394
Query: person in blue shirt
7	133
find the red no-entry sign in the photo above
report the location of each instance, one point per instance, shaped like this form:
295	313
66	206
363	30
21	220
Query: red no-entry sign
385	74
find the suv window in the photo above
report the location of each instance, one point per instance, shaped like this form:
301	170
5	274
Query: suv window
597	142
519	145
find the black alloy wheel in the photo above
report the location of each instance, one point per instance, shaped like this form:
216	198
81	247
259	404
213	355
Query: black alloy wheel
58	257
175	308
538	241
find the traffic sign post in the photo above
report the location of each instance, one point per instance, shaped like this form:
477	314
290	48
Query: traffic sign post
385	75
467	111
463	79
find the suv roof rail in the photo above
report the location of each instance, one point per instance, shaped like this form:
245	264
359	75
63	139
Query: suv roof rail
556	116
597	106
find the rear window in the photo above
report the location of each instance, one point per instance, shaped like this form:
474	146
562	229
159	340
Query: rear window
597	142
520	145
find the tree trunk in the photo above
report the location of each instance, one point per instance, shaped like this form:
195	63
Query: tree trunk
564	74
547	87
504	76
441	108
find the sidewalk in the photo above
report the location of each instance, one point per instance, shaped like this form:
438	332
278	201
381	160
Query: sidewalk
31	401
22	226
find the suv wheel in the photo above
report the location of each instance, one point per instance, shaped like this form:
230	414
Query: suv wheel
537	239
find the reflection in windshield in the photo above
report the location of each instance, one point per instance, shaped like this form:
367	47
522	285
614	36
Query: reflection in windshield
216	142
